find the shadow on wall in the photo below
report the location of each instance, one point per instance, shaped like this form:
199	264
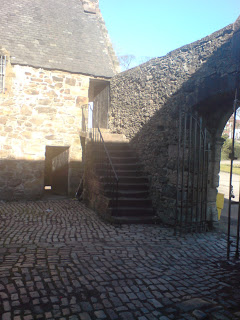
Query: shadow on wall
21	179
145	103
24	179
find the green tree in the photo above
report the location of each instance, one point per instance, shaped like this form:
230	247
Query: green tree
227	148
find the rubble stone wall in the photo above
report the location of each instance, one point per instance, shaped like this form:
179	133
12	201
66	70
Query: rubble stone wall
145	104
39	108
93	193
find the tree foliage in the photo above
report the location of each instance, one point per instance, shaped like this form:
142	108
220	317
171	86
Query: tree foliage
227	148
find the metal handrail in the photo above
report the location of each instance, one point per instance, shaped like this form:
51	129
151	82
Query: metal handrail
108	156
113	174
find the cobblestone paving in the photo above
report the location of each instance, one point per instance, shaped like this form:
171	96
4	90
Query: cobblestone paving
58	260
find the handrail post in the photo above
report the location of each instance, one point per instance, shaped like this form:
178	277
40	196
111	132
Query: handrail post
97	138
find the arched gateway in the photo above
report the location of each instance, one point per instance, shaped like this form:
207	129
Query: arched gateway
145	102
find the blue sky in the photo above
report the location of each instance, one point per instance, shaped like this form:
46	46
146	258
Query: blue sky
153	28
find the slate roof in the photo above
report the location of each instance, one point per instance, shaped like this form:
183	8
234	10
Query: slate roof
55	34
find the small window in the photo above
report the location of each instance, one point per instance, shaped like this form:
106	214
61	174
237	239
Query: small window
3	63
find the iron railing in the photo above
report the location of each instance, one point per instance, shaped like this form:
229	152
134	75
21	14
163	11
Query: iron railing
106	169
192	174
103	161
230	195
3	63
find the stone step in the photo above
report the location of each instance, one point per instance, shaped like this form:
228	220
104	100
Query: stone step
118	145
114	137
115	145
122	173
124	160
132	202
128	186
108	137
135	220
126	179
122	153
129	194
121	166
133	212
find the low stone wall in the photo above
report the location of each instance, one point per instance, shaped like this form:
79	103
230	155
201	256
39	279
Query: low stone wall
93	193
21	179
145	103
39	108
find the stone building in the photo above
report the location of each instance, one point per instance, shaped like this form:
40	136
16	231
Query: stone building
145	103
55	57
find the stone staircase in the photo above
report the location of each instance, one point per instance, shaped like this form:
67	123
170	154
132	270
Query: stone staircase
134	203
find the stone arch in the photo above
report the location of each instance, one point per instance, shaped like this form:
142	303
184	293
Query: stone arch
145	101
215	112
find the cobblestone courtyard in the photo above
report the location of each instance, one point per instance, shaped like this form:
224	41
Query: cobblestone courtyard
58	260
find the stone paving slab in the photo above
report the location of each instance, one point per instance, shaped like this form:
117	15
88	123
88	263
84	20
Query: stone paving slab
58	260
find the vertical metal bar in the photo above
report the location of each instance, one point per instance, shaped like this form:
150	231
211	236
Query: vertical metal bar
238	219
82	119
178	169
117	198
230	179
1	73
197	177
183	167
203	178
101	152
238	227
97	114
198	171
194	171
201	150
4	73
189	165
198	200
192	175
203	206
203	147
206	187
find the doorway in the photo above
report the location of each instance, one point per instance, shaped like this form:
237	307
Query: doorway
99	98
56	170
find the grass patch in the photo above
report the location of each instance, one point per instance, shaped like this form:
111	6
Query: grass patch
226	168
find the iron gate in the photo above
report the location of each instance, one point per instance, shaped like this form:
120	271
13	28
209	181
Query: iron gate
230	202
192	174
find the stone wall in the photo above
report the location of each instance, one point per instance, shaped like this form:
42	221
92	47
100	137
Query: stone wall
40	108
145	102
93	193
